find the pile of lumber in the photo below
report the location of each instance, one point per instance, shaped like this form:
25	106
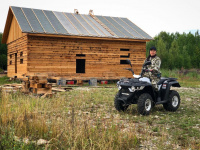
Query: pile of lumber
8	88
37	85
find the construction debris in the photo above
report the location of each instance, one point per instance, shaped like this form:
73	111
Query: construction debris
36	85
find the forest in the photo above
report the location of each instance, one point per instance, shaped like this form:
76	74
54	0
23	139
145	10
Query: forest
3	54
177	51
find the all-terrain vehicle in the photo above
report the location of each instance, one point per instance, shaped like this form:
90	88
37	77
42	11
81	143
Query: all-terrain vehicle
139	90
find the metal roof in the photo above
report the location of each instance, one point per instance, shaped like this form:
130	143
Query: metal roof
61	23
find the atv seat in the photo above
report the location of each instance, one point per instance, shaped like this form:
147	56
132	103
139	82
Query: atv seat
161	81
171	79
164	79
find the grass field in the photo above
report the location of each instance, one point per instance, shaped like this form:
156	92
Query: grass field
85	118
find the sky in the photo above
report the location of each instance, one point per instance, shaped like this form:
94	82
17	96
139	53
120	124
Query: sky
153	16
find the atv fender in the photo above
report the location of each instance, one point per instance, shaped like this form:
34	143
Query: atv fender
149	89
172	83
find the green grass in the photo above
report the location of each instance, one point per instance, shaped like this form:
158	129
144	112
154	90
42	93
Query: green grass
5	80
85	118
186	78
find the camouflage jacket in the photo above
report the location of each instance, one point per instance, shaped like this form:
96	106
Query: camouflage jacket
155	66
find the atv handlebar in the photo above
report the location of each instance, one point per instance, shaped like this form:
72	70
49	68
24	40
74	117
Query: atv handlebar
129	69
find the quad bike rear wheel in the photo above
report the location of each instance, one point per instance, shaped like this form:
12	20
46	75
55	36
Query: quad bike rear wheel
173	101
145	104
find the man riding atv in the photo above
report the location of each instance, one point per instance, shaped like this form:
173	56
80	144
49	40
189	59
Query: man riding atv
154	69
147	89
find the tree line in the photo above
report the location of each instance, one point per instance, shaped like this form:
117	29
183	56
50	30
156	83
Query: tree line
3	54
177	50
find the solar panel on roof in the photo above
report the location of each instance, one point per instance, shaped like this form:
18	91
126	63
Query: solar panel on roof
23	23
141	32
99	26
119	27
111	27
55	22
86	25
44	21
39	21
32	20
80	28
128	28
93	25
66	23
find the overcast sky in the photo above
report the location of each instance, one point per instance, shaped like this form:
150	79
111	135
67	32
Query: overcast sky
153	16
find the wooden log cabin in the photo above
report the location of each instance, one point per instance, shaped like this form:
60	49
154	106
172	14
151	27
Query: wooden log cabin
72	46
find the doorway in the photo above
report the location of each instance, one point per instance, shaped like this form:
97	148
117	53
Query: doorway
15	62
80	65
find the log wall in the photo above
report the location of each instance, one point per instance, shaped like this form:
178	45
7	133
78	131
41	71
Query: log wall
17	57
57	57
15	31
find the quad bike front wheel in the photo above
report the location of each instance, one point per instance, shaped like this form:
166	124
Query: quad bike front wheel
145	104
173	101
119	105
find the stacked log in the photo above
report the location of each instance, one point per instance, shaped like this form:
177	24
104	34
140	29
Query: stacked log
37	85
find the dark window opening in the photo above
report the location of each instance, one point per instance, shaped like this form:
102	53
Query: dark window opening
10	56
124	49
11	62
123	62
15	62
80	55
80	65
125	56
21	54
21	61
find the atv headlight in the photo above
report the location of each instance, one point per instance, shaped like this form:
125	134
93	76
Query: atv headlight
132	89
119	87
142	87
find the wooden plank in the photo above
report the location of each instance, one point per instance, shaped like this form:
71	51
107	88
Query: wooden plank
42	91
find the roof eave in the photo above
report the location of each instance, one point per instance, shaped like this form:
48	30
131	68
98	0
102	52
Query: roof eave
88	37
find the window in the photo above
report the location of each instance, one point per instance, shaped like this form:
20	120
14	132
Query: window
80	55
21	61
123	62
126	55
10	56
11	62
124	49
21	54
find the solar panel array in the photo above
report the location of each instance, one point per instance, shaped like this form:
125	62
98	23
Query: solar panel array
52	22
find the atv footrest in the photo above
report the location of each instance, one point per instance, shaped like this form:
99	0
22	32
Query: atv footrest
161	102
